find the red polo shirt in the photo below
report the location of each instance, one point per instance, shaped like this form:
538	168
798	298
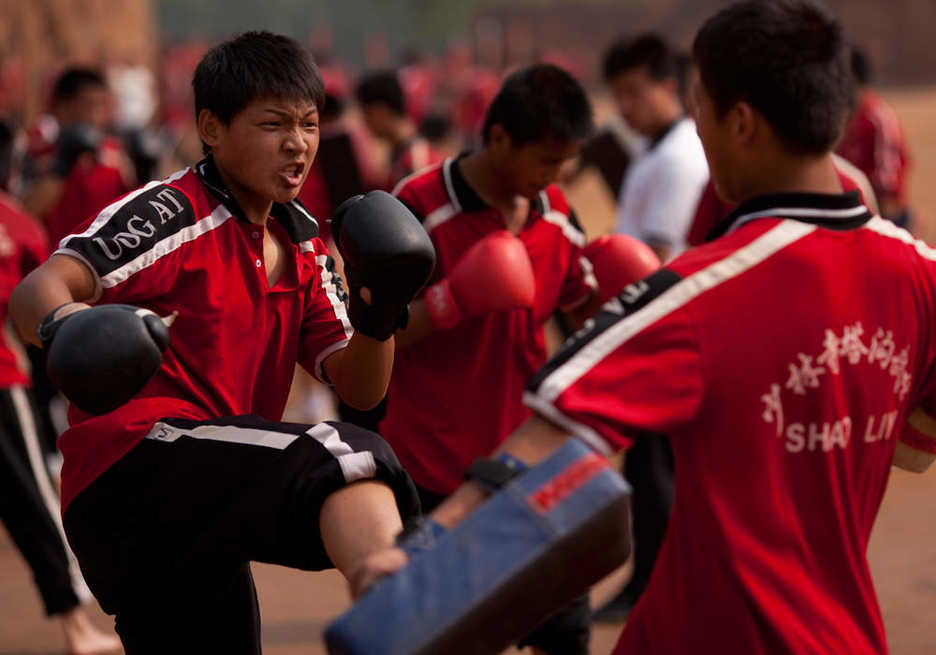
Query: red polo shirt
182	245
782	360
455	395
23	246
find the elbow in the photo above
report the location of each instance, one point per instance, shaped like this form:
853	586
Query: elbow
18	311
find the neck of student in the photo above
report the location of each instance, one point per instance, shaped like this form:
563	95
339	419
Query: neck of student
669	115
481	173
256	209
798	174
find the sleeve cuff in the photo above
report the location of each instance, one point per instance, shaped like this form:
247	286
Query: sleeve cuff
589	435
318	372
74	254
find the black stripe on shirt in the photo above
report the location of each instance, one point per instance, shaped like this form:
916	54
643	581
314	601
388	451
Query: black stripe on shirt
634	298
134	228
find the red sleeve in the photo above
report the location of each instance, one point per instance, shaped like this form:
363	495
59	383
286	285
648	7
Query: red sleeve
325	325
634	369
579	282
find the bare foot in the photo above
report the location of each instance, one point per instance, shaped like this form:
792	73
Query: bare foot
82	638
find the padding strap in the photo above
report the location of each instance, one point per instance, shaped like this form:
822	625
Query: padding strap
494	474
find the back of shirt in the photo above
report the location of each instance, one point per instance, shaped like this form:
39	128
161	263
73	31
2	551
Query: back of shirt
783	361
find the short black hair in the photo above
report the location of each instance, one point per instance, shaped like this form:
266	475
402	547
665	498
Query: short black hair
540	101
251	66
860	66
435	127
648	51
381	87
73	81
788	60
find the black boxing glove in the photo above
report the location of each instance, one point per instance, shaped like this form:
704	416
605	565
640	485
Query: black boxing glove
386	249
100	357
73	141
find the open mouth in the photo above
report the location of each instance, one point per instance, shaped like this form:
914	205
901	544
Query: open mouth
292	175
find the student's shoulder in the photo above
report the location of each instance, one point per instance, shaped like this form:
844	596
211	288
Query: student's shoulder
142	218
557	211
425	190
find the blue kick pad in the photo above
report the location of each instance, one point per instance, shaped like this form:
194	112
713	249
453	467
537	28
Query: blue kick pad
529	550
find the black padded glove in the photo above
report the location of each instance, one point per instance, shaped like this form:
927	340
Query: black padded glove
385	249
100	357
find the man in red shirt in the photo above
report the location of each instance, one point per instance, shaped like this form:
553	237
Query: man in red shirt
471	373
383	106
785	399
874	142
170	496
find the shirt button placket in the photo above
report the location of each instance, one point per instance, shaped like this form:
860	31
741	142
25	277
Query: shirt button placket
255	235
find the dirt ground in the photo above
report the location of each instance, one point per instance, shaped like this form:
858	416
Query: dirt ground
296	606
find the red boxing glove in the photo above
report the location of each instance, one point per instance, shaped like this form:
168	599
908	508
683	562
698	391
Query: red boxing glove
494	275
619	260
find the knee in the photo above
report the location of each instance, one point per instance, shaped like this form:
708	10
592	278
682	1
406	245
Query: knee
370	457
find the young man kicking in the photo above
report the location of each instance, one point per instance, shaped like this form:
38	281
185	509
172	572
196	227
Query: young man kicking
169	496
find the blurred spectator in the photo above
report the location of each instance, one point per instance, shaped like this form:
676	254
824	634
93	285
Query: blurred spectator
437	129
610	151
663	185
874	142
134	89
383	106
29	503
658	199
420	81
80	168
343	166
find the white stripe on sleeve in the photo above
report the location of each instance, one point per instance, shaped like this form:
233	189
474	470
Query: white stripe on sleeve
561	220
114	207
160	249
678	295
583	432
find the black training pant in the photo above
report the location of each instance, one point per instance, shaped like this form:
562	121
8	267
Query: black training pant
29	504
165	536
